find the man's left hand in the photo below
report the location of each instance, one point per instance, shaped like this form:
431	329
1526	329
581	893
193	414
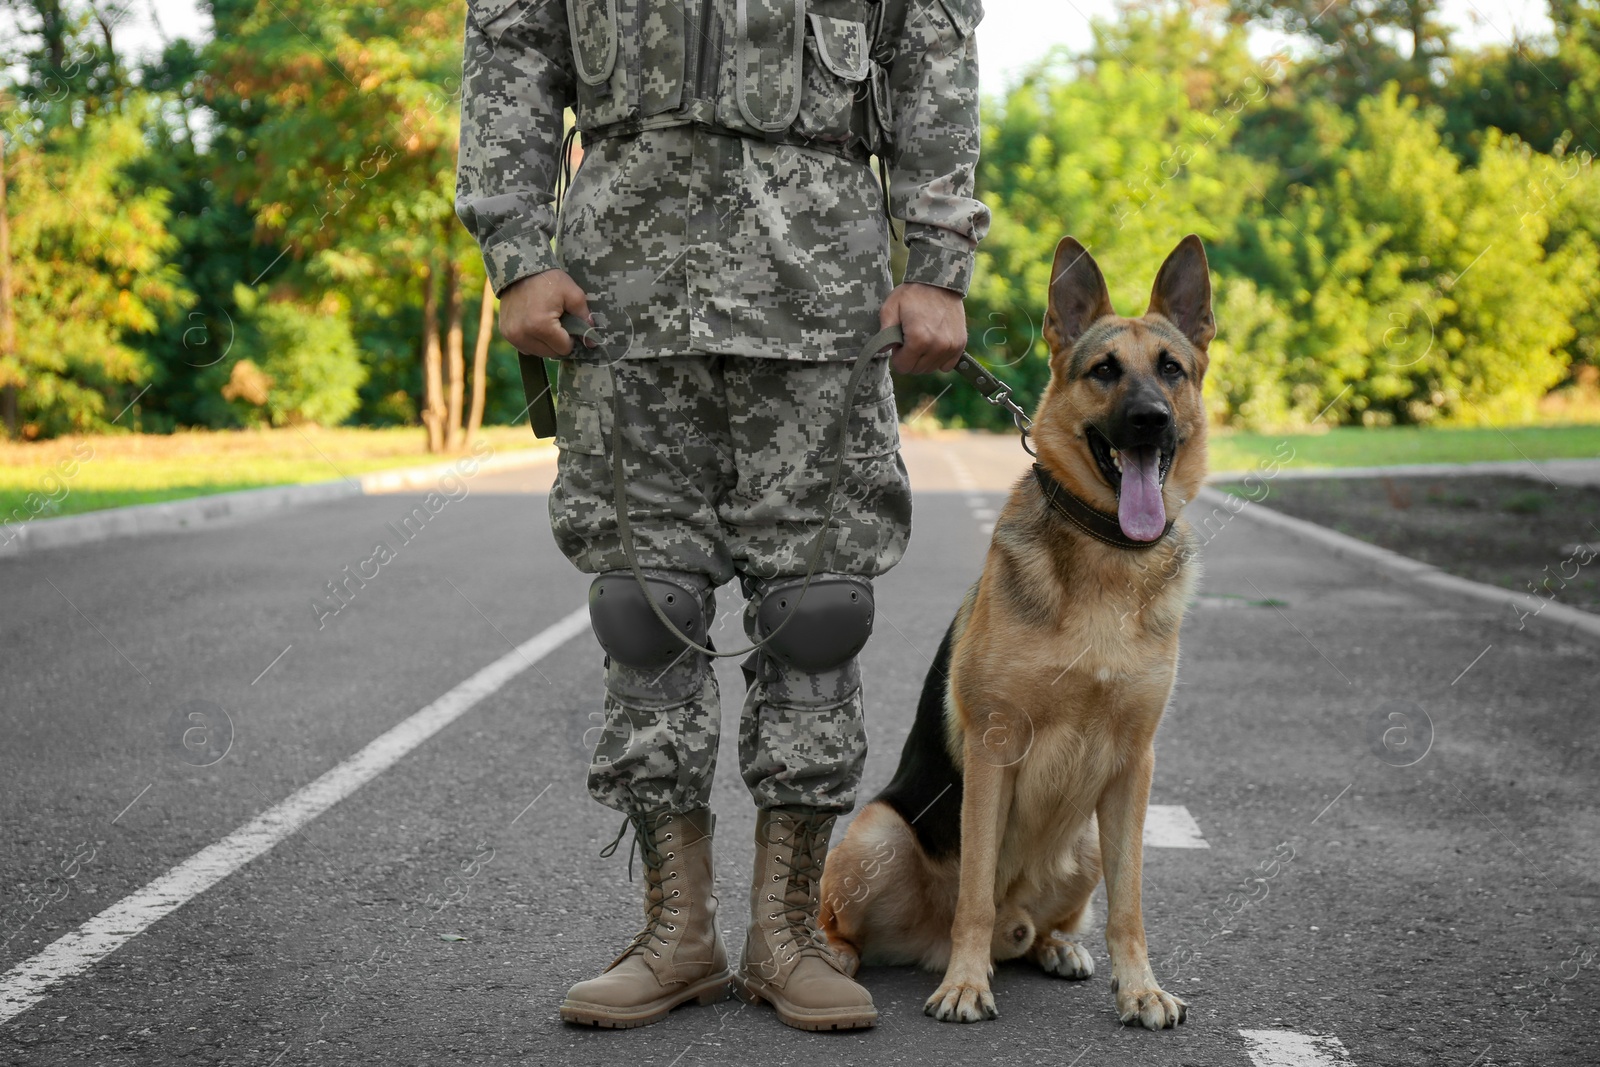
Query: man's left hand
935	325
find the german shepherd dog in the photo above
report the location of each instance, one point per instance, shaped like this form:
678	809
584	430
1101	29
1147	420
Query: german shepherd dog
1028	767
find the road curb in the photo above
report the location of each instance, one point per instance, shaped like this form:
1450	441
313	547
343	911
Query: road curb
1522	604
138	520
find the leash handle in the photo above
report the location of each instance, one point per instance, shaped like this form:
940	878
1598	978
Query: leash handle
536	388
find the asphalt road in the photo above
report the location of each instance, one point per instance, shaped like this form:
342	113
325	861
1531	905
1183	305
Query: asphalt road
1438	912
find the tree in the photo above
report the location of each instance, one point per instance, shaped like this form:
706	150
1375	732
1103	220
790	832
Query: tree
1358	46
360	187
86	265
309	365
480	362
10	367
1126	149
1416	290
89	269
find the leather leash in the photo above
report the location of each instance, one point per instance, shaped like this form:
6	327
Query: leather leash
536	388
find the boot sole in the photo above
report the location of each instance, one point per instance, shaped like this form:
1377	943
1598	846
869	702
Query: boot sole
818	1021
707	991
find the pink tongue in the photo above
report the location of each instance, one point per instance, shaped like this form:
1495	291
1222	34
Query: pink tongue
1140	512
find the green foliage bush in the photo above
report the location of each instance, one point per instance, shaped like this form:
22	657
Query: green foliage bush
1365	272
312	365
90	272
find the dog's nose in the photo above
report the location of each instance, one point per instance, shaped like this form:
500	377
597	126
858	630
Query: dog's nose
1149	417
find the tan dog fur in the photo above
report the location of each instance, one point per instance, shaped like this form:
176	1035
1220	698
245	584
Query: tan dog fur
1063	660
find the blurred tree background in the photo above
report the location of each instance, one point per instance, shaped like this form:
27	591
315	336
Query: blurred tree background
259	231
1400	232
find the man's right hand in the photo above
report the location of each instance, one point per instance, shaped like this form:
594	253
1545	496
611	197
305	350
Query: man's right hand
531	310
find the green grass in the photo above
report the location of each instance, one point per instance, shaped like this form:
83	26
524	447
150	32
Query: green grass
1356	447
142	469
69	476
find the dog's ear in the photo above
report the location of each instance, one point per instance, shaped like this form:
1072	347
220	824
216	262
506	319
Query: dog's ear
1078	296
1182	293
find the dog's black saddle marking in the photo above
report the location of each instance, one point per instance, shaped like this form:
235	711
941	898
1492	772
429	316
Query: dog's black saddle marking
926	789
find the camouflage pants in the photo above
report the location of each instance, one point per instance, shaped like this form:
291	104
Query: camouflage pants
727	461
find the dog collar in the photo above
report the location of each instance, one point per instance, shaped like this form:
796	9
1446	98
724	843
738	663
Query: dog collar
1091	520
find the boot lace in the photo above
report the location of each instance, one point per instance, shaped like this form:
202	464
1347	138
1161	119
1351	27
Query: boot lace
646	831
799	900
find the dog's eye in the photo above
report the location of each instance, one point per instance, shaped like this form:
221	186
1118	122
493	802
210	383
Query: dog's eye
1106	370
1169	366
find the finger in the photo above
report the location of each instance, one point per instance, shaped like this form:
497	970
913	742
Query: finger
577	302
547	338
953	353
945	355
910	358
536	338
889	314
558	339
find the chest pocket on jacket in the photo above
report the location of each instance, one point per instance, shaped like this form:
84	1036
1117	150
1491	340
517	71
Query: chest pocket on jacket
767	62
629	58
835	70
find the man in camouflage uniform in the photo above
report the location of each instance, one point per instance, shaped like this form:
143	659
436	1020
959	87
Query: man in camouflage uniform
726	237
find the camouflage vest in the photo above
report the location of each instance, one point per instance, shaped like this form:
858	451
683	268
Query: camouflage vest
797	71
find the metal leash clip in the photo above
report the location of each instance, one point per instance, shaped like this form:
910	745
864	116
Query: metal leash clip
997	393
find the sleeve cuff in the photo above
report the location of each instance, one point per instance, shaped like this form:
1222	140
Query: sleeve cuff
932	263
519	256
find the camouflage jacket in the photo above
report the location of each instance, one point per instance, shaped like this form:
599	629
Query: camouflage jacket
692	235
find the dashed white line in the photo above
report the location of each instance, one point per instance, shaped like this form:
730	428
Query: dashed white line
1171	826
1286	1048
976	503
31	980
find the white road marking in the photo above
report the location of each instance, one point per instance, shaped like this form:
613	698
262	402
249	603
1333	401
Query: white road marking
31	980
1171	826
1285	1048
976	503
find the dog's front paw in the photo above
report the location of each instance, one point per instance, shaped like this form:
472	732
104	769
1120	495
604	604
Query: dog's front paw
1152	1008
961	1002
847	956
1064	959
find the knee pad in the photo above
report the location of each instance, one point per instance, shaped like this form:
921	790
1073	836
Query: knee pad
628	629
822	633
822	630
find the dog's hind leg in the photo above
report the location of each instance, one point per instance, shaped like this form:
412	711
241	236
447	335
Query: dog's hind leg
874	896
1059	948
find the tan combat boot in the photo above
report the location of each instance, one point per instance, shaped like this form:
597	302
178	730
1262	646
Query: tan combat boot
679	954
787	961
